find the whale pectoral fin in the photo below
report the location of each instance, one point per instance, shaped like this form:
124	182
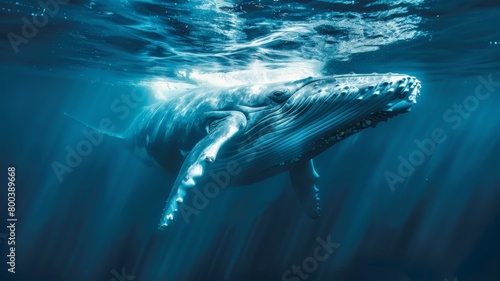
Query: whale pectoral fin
304	178
229	124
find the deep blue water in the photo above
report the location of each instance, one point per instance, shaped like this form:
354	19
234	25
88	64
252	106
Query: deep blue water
441	222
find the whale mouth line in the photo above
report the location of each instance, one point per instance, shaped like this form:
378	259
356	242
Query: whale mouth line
338	135
370	121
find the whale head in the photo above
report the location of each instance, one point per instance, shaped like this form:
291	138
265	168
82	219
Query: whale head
350	102
315	113
352	98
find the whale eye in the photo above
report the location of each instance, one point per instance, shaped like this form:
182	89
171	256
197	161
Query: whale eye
279	95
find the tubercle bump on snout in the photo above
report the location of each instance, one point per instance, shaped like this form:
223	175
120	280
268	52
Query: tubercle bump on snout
406	88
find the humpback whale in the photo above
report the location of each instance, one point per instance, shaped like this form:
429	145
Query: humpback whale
265	129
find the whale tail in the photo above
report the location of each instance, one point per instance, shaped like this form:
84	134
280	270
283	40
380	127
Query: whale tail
100	131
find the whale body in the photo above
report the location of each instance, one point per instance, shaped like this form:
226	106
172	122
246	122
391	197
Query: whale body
264	129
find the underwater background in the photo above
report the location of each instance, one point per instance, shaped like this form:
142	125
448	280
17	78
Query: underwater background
438	219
